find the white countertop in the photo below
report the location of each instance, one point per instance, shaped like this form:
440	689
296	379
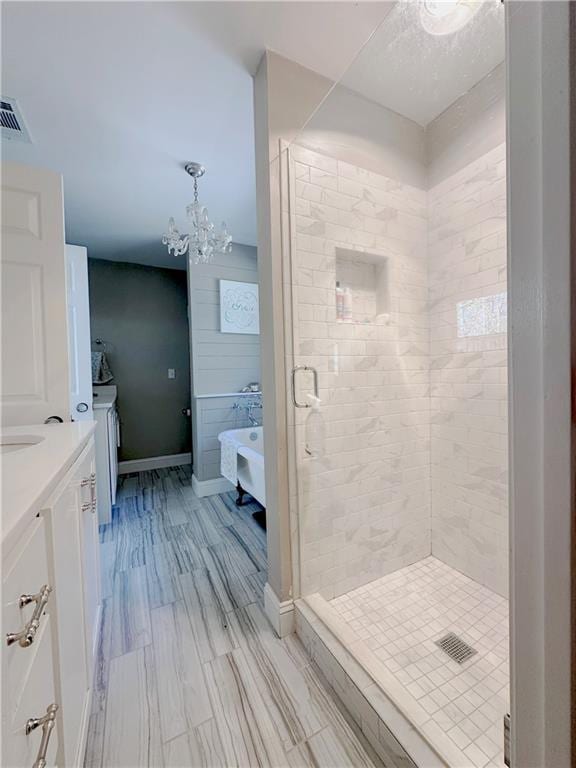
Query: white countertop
104	395
30	475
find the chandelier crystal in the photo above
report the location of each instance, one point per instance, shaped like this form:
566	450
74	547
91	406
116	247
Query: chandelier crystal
203	240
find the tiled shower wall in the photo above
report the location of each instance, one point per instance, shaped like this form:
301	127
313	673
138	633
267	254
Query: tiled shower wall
364	456
425	357
468	370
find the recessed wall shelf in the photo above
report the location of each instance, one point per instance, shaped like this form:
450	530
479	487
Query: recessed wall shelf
362	291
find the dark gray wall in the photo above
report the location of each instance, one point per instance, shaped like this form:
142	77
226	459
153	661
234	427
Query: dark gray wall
141	312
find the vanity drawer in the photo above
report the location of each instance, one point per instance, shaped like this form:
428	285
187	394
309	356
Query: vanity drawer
19	749
25	571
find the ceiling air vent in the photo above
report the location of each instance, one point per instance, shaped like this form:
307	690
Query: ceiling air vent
13	125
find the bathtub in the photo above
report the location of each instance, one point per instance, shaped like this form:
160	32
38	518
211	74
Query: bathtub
250	467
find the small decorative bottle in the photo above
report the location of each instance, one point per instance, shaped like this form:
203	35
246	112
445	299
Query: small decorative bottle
339	302
347	305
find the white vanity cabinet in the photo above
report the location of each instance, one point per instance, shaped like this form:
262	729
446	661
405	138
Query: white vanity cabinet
28	672
52	543
91	560
75	576
107	444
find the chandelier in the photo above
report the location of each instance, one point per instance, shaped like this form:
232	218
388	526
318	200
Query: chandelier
203	240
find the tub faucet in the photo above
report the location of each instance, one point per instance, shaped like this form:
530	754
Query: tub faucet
249	407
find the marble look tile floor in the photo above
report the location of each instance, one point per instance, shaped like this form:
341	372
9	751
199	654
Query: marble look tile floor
189	671
400	616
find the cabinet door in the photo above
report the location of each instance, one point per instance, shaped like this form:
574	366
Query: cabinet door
113	451
66	515
20	750
90	562
34	369
28	684
102	466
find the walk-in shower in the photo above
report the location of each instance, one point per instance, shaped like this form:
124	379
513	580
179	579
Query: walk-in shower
396	299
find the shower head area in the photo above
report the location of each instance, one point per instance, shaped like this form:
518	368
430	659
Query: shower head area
395	259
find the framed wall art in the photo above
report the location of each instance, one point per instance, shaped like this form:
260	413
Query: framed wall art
239	310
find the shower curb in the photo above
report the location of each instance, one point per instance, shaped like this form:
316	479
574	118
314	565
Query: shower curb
390	733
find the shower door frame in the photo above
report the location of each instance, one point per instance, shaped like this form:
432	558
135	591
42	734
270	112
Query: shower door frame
538	49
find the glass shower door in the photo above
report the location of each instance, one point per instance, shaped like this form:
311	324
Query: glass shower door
355	296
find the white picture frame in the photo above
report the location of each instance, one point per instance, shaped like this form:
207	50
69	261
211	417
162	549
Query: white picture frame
239	307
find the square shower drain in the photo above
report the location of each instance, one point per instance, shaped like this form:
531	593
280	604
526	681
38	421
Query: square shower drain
455	647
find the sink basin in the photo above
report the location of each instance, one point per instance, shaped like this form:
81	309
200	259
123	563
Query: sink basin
12	443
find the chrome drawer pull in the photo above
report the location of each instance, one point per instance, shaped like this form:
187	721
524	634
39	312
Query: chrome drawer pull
27	635
48	721
89	481
93	491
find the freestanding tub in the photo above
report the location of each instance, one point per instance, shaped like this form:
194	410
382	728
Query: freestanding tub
250	465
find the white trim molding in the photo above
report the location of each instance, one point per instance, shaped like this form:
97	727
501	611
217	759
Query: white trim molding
538	70
154	462
228	394
211	487
280	613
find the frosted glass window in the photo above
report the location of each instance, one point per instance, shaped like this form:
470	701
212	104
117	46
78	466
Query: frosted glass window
483	316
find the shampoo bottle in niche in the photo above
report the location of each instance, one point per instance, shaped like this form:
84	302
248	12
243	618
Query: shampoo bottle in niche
347	305
339	302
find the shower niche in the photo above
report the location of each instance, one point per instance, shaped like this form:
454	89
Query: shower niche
362	289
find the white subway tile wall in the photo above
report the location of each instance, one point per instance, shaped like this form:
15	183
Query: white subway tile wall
365	489
468	370
407	455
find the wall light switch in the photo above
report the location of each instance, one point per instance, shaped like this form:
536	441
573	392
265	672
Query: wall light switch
171	373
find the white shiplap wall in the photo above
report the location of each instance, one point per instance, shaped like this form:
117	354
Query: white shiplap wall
220	362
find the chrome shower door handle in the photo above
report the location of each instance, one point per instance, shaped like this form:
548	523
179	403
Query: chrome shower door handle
315	377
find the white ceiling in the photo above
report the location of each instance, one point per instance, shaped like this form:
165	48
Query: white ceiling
419	74
118	96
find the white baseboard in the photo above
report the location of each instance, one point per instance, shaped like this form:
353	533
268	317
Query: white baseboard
211	487
154	462
280	613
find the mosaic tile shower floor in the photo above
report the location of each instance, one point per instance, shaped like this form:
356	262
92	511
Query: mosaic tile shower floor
401	616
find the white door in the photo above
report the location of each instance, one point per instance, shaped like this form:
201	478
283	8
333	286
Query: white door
79	348
34	364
